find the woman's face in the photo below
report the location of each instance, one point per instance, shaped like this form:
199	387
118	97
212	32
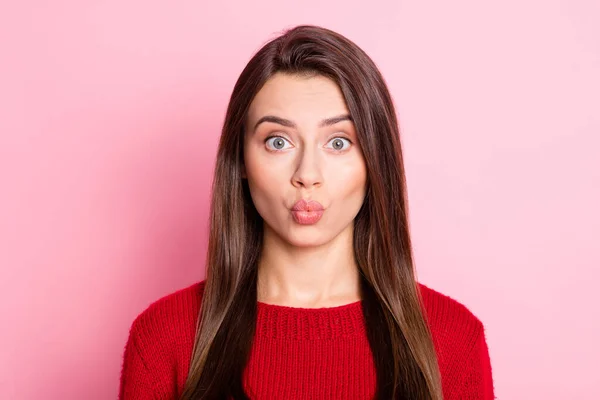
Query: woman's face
301	144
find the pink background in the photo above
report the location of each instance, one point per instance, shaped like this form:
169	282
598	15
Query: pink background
110	113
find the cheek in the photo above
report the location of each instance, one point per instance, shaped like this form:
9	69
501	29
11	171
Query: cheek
264	181
350	178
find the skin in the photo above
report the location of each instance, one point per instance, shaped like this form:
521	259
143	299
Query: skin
309	266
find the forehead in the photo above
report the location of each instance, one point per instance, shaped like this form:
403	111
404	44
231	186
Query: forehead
300	98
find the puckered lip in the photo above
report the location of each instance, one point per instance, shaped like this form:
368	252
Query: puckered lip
307	205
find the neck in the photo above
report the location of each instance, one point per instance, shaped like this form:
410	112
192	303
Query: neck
309	276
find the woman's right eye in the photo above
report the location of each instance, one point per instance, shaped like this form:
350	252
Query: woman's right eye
276	142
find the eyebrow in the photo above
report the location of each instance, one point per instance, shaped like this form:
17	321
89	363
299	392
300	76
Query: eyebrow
291	124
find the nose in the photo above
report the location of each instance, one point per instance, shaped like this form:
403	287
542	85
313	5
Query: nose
308	171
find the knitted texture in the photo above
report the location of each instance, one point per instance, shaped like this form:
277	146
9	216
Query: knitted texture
300	353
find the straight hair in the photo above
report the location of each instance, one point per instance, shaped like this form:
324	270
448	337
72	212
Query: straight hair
397	329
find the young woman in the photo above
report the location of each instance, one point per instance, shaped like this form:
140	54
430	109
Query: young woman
310	291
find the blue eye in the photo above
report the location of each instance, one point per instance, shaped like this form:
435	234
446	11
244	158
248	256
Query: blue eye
277	142
338	143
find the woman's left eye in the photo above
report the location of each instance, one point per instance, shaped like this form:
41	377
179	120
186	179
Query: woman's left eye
338	143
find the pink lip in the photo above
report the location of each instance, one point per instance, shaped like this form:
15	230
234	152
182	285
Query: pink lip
311	205
307	212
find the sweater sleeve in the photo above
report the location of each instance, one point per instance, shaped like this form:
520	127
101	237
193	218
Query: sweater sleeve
145	371
477	383
137	382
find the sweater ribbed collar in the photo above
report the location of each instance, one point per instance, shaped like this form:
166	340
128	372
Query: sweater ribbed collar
294	323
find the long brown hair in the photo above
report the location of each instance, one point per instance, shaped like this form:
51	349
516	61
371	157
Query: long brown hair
397	329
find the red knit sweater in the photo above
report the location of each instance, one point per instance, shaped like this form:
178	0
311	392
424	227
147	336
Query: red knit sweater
300	353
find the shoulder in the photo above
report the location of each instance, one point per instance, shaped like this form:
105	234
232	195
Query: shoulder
167	326
461	347
441	308
159	347
172	311
454	328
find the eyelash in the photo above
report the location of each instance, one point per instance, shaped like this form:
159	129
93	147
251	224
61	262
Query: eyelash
337	137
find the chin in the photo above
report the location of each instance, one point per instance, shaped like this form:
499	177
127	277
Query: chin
301	236
306	239
296	242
